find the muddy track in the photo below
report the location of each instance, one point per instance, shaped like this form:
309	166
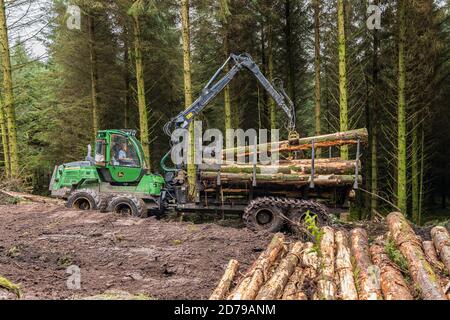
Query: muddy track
158	259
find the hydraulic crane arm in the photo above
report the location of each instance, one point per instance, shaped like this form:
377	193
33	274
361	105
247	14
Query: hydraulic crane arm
213	88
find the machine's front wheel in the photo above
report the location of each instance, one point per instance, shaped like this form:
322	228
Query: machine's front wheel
83	199
128	205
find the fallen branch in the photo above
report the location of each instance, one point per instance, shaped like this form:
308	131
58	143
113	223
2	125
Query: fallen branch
32	197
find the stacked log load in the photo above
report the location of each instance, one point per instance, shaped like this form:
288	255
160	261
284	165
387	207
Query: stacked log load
346	266
324	172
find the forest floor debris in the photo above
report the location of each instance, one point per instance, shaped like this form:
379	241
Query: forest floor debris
143	257
130	258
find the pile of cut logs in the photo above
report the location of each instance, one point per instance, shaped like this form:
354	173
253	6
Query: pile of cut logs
344	266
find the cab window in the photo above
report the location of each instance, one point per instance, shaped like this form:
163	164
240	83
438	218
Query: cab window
123	152
100	153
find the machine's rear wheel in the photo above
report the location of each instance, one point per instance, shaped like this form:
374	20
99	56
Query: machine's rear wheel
298	214
128	205
264	214
83	199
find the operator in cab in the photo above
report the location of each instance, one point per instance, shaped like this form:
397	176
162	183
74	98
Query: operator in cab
120	154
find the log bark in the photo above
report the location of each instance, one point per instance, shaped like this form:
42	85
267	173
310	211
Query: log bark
339	167
293	289
326	288
260	271
285	179
431	254
225	283
367	288
441	240
273	288
310	263
393	285
438	266
344	269
323	141
411	247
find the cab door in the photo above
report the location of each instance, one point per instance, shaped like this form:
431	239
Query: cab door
125	164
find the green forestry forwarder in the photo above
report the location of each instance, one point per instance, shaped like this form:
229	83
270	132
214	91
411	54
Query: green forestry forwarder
117	179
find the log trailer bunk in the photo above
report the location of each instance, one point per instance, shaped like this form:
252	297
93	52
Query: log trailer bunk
111	183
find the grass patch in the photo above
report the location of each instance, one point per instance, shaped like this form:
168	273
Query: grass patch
9	286
13	252
65	261
396	256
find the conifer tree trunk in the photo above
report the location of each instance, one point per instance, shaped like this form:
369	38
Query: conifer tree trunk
5	146
401	113
94	74
8	101
226	50
317	89
188	91
374	127
126	79
142	104
272	111
343	103
289	53
415	174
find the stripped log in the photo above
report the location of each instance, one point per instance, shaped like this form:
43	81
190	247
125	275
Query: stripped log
323	141
260	271
432	256
273	288
310	264
393	285
326	288
344	167
439	267
293	289
344	269
411	247
224	285
367	288
280	178
441	240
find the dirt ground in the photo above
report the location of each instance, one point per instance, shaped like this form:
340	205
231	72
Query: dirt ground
140	257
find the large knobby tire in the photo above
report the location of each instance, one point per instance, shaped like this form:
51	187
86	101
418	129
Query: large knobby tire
128	205
83	199
297	215
105	200
264	215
